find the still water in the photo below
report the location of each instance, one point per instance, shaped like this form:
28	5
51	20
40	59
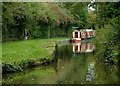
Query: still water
73	64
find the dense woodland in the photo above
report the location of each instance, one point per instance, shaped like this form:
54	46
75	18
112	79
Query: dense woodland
47	20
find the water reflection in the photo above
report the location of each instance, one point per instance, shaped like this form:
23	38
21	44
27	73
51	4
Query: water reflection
90	75
83	47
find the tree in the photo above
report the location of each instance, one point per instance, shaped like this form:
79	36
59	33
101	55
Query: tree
36	17
107	28
78	10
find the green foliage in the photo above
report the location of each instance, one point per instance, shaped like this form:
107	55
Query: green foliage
8	67
79	11
35	17
13	17
107	28
91	20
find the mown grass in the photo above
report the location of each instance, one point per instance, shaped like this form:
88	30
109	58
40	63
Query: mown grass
31	49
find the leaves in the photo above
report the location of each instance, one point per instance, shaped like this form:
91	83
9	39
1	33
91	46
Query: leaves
107	20
35	17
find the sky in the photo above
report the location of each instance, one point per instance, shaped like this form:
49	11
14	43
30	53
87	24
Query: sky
90	8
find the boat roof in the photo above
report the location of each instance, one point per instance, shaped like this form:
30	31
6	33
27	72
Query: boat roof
88	30
83	30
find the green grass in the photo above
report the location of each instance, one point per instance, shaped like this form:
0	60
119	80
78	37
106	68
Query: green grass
30	49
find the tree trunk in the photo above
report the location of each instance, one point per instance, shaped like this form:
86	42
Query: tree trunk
48	32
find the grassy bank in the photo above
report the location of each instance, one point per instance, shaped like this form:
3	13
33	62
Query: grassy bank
22	54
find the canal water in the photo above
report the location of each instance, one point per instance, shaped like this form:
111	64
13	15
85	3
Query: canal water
73	64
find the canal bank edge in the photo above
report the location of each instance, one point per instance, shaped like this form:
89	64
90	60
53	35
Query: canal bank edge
27	63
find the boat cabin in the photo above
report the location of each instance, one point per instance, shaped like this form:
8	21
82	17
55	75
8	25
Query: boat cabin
77	36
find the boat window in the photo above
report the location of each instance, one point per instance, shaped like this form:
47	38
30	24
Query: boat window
76	34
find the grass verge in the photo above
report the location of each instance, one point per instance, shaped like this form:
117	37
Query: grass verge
17	56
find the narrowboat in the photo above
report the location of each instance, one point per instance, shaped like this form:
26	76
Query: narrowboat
77	36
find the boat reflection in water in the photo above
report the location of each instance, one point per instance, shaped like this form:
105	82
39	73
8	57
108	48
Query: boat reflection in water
83	47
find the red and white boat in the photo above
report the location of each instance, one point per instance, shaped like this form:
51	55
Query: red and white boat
77	36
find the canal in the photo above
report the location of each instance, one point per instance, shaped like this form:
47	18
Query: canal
73	64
